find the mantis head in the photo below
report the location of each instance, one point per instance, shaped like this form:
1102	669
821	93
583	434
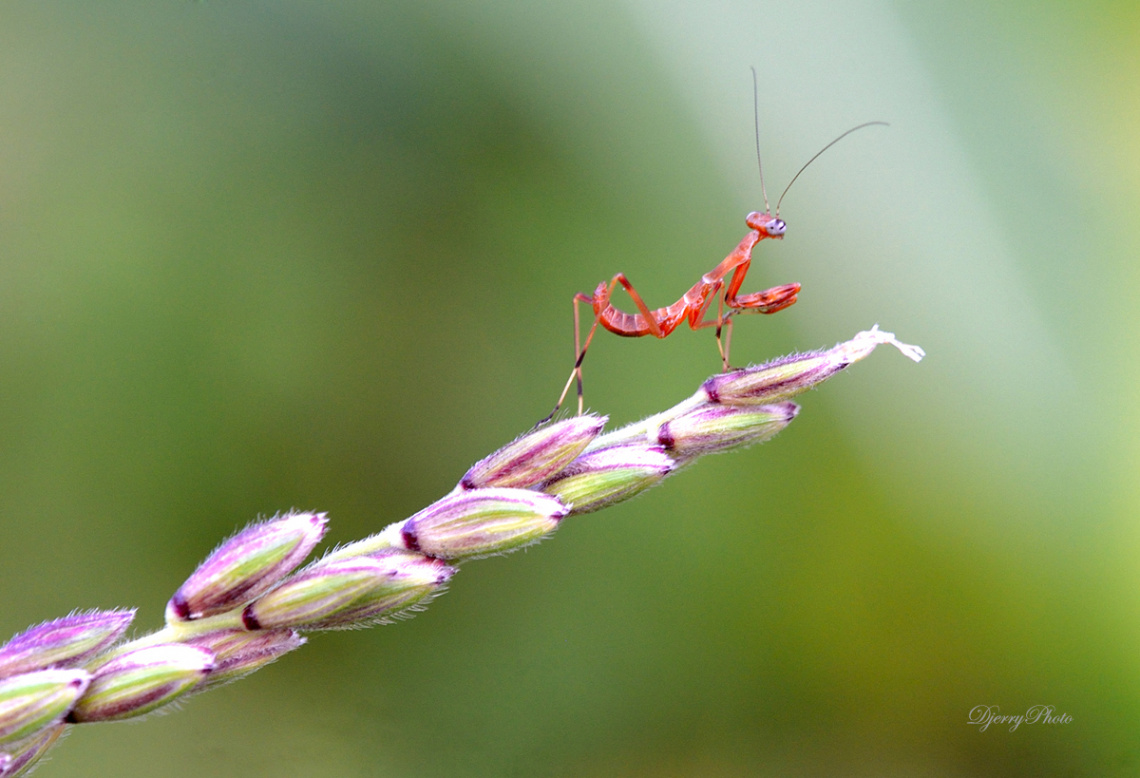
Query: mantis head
766	224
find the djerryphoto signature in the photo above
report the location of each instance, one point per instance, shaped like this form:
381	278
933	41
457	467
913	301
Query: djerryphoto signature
984	715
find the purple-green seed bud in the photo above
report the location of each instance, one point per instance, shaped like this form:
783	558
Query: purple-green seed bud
21	758
774	381
786	377
246	566
349	593
30	702
143	680
465	525
238	653
603	477
66	642
535	456
713	428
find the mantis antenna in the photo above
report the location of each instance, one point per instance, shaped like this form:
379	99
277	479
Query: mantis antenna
756	118
813	159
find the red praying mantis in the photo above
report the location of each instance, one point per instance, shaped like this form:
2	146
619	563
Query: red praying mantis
695	303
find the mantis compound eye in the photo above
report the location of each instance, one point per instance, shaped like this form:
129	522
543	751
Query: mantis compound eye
776	228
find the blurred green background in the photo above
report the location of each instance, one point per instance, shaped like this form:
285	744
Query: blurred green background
321	255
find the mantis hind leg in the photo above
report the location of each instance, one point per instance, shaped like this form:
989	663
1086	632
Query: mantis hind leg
579	355
653	326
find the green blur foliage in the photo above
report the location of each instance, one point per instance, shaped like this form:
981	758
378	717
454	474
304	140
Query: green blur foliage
256	256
